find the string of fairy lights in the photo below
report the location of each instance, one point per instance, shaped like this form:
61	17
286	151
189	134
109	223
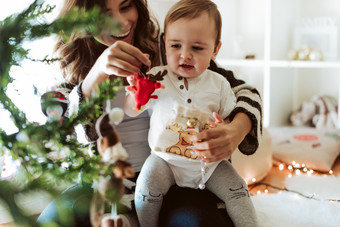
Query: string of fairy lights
292	169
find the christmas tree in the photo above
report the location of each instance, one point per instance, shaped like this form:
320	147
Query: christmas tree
47	158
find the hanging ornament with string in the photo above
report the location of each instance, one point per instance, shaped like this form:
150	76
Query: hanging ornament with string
54	105
203	171
146	85
113	153
192	123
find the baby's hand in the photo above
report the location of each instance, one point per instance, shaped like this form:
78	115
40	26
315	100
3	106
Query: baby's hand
218	121
132	82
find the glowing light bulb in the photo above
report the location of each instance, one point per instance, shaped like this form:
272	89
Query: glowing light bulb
331	172
258	192
281	166
297	172
253	179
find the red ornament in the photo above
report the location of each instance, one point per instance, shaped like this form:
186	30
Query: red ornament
144	89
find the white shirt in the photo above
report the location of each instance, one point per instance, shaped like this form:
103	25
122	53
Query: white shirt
210	92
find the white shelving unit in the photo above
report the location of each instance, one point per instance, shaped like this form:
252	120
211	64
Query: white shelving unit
265	28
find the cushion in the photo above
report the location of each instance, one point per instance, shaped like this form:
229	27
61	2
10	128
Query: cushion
257	165
316	148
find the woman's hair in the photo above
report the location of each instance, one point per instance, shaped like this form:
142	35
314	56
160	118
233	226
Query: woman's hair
81	52
191	9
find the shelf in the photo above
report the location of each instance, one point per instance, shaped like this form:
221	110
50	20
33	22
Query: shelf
305	64
241	62
280	63
267	30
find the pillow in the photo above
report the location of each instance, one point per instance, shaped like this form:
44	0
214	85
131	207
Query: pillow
316	148
257	165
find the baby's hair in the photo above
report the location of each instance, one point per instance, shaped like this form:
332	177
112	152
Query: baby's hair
191	9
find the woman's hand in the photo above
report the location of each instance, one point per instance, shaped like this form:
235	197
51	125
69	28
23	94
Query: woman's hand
222	139
123	59
120	59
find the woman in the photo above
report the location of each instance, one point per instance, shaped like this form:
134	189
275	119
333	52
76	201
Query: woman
88	61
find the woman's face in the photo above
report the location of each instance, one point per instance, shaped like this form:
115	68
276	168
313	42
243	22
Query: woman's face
126	13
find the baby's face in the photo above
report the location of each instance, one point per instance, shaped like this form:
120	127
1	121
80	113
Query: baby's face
190	45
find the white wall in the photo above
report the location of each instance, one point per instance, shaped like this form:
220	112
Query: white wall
29	74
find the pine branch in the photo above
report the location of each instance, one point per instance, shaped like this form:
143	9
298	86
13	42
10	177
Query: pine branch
48	153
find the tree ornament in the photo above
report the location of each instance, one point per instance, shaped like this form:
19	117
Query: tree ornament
146	85
114	220
54	105
192	122
203	171
113	153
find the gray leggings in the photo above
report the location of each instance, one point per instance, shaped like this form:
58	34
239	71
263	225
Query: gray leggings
156	178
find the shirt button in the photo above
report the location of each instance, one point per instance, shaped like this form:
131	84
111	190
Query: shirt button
189	100
181	87
180	78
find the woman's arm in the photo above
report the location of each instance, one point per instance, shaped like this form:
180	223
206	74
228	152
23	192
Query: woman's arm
121	59
245	128
250	104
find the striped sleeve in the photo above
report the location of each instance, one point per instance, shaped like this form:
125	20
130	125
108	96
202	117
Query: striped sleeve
74	98
248	102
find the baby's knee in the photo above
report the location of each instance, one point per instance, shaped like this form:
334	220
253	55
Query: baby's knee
238	191
145	195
